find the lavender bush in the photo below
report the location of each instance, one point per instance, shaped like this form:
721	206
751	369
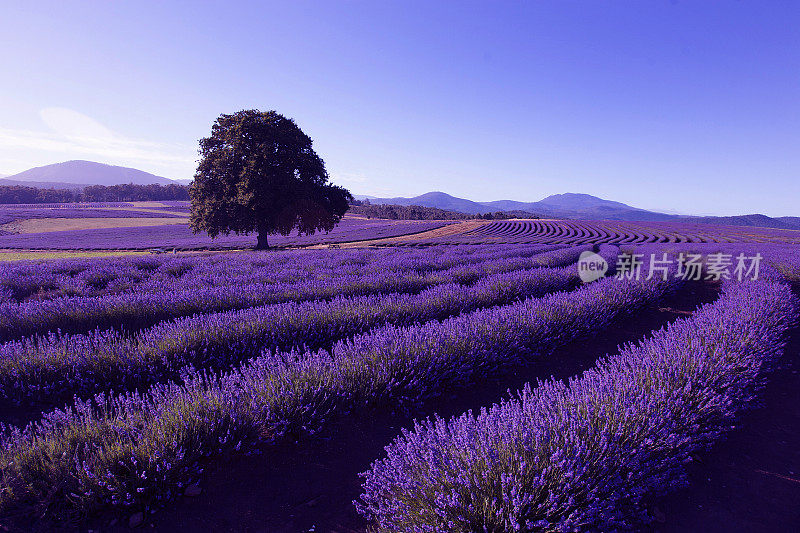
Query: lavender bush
54	368
141	309
99	277
133	450
585	455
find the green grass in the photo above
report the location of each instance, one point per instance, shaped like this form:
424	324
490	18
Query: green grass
20	256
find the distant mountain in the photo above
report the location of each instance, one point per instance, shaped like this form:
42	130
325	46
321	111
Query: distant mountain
581	202
582	206
794	222
574	205
755	220
438	200
568	205
84	173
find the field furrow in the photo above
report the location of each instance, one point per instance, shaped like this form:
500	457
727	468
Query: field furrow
587	454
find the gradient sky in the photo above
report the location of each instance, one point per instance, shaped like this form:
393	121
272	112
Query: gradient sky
688	106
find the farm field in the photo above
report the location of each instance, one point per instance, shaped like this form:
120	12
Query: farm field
148	225
164	225
271	390
368	267
611	232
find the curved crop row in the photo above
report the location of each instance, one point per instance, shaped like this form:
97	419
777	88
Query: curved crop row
565	232
583	455
138	310
786	262
24	280
55	368
137	449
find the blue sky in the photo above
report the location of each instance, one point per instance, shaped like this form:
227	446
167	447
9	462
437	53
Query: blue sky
686	106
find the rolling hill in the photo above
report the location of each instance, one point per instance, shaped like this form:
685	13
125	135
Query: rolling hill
568	205
581	206
82	173
42	184
754	220
439	200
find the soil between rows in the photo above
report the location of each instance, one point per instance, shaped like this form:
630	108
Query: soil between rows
310	485
749	482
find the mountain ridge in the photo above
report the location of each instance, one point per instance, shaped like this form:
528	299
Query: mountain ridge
566	205
581	206
81	173
5	182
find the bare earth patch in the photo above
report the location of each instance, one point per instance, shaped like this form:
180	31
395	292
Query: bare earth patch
45	225
445	231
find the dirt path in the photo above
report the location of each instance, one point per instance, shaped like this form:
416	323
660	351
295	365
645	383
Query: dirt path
296	486
751	481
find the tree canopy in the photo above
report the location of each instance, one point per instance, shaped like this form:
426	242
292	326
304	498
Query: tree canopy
259	173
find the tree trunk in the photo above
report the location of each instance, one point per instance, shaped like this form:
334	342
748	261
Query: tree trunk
262	243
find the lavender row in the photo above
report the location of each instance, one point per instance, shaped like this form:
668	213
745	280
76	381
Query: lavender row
51	279
138	310
786	261
776	262
319	277
616	232
136	450
52	369
584	455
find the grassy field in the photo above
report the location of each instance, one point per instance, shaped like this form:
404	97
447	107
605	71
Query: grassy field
23	255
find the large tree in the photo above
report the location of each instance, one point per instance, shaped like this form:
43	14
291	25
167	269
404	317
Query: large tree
258	172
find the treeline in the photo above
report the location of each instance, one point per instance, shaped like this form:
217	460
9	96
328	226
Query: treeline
19	194
418	212
135	193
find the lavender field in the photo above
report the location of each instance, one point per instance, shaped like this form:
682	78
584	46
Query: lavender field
131	385
393	267
17	232
612	232
178	235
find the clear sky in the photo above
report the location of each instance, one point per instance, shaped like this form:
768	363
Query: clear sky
690	106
